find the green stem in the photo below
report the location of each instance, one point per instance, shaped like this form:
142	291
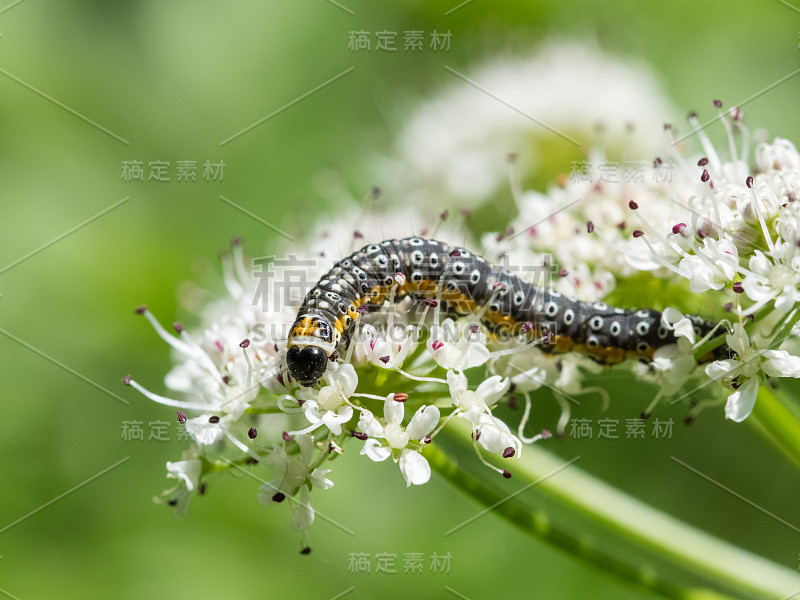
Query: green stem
635	542
779	420
786	328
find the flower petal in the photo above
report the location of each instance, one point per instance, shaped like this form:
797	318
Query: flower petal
414	467
369	424
393	412
319	480
457	382
373	449
306	443
741	402
267	491
187	471
721	368
779	363
202	431
303	513
492	389
496	436
423	422
346	377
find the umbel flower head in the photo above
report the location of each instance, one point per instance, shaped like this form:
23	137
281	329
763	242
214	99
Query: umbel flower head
721	232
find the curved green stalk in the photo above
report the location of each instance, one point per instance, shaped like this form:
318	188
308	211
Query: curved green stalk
636	542
779	420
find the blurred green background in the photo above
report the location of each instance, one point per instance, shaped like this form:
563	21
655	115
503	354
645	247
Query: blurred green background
173	80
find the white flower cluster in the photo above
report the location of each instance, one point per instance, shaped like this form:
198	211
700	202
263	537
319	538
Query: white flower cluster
454	149
235	382
712	228
730	232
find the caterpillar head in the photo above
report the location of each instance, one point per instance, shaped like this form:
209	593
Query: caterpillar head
307	364
310	344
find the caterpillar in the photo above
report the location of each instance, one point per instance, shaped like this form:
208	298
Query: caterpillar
464	283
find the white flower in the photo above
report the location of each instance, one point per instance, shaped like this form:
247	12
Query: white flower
474	403
531	369
778	280
779	156
208	429
671	367
743	372
188	473
682	327
454	347
495	436
328	406
779	363
741	402
398	441
295	472
387	351
712	267
527	370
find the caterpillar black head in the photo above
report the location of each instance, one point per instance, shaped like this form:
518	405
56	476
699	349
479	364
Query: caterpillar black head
307	364
311	342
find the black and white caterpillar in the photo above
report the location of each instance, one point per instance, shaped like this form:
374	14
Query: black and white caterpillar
463	283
